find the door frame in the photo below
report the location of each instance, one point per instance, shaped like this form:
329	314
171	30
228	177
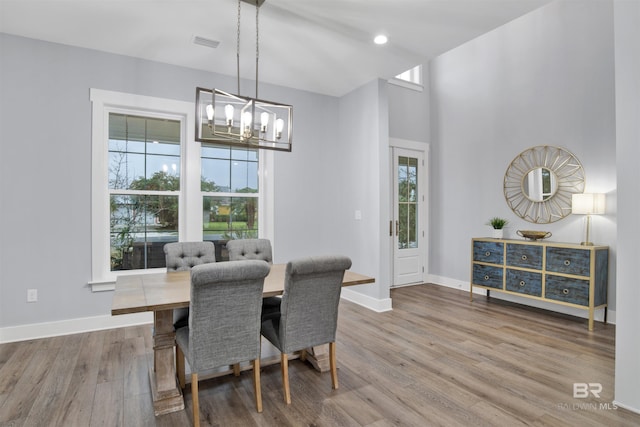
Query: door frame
424	148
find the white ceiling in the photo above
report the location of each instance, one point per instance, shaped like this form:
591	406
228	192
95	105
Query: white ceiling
322	46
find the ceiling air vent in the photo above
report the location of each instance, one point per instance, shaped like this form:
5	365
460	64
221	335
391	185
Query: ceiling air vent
206	42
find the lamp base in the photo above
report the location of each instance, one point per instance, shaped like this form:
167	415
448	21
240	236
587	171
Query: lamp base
586	243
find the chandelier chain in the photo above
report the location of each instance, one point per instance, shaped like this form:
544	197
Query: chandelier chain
257	46
238	49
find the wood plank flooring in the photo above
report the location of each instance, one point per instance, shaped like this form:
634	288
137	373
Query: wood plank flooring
435	360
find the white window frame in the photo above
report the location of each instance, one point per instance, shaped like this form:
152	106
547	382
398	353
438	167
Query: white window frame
190	194
410	79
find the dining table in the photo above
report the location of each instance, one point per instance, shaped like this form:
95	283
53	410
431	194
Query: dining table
161	293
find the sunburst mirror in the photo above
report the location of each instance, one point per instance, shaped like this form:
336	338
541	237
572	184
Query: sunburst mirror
539	183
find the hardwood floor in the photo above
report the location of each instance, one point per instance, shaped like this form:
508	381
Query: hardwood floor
436	359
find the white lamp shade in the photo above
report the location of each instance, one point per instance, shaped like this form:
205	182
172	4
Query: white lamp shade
588	204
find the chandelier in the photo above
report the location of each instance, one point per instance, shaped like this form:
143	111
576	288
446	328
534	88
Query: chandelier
235	120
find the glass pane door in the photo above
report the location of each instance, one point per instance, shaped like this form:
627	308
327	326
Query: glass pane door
407	221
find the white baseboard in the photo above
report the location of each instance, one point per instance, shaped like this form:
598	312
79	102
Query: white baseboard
87	324
72	326
463	285
378	305
96	323
627	407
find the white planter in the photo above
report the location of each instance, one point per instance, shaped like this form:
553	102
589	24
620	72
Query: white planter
497	233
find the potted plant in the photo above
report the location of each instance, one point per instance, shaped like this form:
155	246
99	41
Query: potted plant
498	225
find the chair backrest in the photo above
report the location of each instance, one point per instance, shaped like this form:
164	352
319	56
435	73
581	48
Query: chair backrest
309	307
182	256
250	249
224	314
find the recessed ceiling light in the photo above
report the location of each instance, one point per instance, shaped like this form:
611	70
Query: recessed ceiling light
380	39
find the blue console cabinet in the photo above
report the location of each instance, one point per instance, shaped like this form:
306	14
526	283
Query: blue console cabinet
560	273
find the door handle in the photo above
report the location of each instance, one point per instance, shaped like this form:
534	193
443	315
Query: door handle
391	228
397	228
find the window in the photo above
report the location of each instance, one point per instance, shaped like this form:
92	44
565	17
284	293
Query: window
411	78
152	183
144	189
230	193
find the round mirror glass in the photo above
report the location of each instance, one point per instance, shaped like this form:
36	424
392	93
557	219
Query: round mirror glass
539	184
540	181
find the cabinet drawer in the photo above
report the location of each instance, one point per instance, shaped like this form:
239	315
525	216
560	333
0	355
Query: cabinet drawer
492	252
524	282
526	256
569	261
486	275
568	290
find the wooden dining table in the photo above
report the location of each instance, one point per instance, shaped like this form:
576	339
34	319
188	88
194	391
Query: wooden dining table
163	292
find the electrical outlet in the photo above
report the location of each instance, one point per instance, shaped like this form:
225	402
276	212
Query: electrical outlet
32	295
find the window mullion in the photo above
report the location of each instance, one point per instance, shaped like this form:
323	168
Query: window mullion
191	201
126	192
243	195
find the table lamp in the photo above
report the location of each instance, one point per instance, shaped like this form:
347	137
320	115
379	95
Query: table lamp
587	204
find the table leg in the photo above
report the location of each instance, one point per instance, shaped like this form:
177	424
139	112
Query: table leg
167	396
318	356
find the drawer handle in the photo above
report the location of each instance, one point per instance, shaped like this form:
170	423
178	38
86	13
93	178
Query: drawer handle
487	253
567	262
522	283
486	277
565	291
524	257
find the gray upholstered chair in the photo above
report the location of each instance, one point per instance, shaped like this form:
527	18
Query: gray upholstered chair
250	249
308	314
254	249
181	256
224	322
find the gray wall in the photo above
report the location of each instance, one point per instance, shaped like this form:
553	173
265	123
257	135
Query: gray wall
45	172
627	52
409	111
364	125
546	78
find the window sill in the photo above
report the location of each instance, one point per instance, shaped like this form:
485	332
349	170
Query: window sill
102	286
406	84
109	283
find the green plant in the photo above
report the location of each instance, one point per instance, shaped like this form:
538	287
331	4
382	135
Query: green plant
497	222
